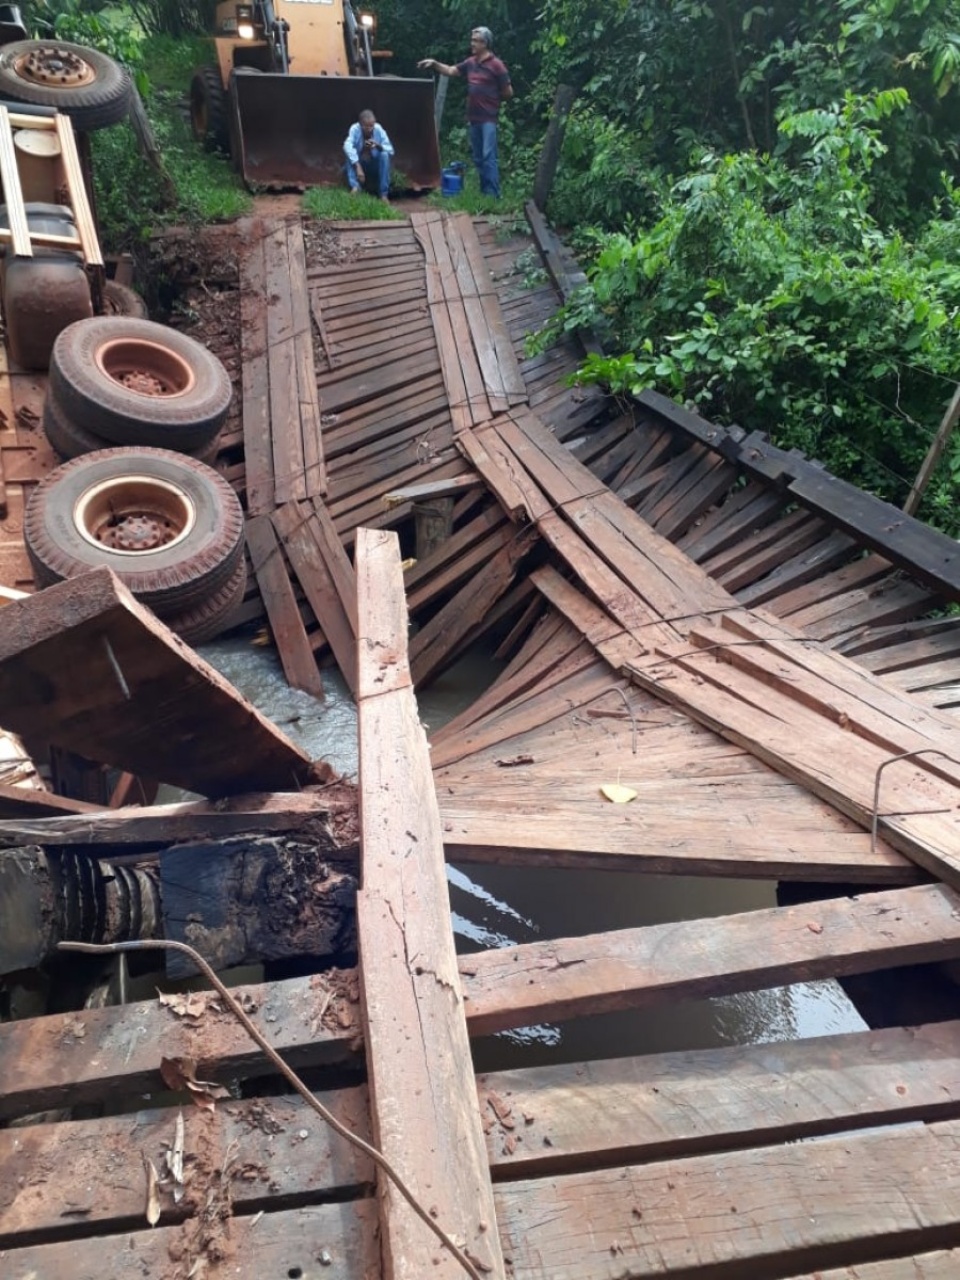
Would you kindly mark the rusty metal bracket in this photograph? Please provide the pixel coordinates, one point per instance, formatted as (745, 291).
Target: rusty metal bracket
(906, 755)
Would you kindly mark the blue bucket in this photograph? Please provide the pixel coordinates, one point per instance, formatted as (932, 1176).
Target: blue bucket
(451, 180)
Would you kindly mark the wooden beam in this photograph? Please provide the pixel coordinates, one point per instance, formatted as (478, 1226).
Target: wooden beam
(277, 1244)
(635, 968)
(582, 1115)
(759, 1213)
(426, 1119)
(84, 666)
(190, 820)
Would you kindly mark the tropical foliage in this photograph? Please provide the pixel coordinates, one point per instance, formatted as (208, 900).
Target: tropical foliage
(762, 192)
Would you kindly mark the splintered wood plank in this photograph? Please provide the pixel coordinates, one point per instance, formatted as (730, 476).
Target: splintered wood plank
(255, 384)
(434, 645)
(283, 613)
(84, 666)
(426, 1119)
(693, 959)
(628, 1110)
(765, 1213)
(276, 1244)
(308, 556)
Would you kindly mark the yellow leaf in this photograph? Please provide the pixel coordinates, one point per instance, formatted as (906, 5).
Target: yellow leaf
(617, 794)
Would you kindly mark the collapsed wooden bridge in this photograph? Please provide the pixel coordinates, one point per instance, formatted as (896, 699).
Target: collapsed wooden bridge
(757, 651)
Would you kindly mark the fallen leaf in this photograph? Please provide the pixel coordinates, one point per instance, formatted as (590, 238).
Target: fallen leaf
(188, 1004)
(153, 1192)
(180, 1074)
(175, 1159)
(617, 794)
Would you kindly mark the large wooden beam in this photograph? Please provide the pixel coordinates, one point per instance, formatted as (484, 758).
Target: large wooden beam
(84, 666)
(693, 959)
(166, 824)
(426, 1120)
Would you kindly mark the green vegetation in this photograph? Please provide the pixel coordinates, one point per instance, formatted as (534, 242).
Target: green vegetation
(338, 205)
(763, 194)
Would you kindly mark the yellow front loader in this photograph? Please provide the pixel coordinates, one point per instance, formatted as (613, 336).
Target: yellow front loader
(290, 79)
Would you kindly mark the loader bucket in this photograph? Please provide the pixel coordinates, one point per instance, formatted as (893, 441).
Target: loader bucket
(289, 130)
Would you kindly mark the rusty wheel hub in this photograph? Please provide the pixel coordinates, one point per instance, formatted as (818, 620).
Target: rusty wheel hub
(134, 515)
(59, 68)
(145, 383)
(136, 532)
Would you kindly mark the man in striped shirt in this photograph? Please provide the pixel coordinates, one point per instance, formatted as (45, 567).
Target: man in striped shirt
(488, 84)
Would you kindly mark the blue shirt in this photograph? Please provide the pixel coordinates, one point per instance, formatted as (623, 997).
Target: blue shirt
(354, 142)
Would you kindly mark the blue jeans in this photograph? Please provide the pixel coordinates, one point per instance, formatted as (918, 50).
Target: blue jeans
(483, 144)
(376, 169)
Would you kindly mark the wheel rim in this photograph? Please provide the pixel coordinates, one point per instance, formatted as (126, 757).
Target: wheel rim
(134, 515)
(55, 68)
(145, 368)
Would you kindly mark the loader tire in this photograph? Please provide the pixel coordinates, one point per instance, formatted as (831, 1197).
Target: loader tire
(120, 300)
(208, 619)
(208, 110)
(133, 381)
(71, 441)
(168, 526)
(81, 83)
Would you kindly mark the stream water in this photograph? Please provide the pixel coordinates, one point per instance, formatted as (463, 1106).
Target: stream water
(497, 906)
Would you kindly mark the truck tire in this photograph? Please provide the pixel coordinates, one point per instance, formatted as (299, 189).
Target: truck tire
(208, 110)
(126, 380)
(71, 441)
(120, 300)
(81, 83)
(206, 620)
(169, 527)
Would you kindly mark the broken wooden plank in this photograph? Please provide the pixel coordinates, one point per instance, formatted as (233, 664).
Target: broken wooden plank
(426, 1119)
(294, 523)
(283, 612)
(84, 666)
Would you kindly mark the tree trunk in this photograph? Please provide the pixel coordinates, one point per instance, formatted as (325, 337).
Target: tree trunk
(550, 154)
(147, 142)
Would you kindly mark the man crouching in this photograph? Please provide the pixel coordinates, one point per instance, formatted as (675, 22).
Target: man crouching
(368, 151)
